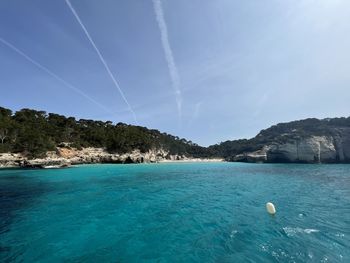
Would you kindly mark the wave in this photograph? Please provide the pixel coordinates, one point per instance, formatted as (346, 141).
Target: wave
(292, 231)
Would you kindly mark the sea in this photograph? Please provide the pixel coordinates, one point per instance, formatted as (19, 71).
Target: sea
(176, 212)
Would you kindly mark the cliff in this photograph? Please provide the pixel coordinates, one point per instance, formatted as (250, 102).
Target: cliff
(33, 138)
(313, 149)
(306, 141)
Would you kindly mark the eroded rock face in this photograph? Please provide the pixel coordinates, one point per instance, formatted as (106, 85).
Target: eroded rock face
(45, 163)
(10, 159)
(309, 150)
(64, 157)
(342, 144)
(256, 157)
(313, 149)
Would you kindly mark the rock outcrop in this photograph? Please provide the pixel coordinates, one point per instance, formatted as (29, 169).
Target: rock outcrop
(66, 156)
(342, 144)
(312, 149)
(256, 156)
(11, 159)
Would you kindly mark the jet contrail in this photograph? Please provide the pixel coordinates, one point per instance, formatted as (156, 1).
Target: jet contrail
(70, 86)
(174, 75)
(115, 82)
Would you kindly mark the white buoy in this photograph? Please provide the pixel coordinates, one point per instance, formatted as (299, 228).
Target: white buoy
(270, 208)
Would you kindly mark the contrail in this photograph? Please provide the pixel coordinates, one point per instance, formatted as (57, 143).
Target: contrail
(115, 82)
(174, 75)
(70, 86)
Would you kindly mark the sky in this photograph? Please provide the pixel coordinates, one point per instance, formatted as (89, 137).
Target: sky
(208, 71)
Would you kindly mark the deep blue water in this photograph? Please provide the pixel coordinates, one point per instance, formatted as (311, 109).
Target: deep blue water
(189, 212)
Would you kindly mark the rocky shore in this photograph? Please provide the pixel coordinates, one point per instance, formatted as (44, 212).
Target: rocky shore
(65, 157)
(311, 149)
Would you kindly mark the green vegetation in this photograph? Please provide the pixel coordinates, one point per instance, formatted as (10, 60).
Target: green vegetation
(36, 132)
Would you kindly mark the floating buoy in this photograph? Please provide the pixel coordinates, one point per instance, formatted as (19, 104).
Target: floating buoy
(270, 208)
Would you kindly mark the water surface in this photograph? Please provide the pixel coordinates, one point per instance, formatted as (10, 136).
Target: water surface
(184, 212)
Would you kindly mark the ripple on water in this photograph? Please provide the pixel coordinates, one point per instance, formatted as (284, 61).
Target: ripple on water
(292, 231)
(176, 212)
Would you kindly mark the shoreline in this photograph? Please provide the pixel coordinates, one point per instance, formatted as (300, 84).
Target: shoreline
(106, 163)
(194, 160)
(65, 157)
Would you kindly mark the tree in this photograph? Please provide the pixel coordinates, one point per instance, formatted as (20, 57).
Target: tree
(5, 123)
(3, 135)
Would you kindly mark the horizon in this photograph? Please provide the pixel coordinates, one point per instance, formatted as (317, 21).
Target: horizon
(210, 76)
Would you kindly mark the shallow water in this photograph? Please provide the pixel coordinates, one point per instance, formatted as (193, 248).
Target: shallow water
(188, 212)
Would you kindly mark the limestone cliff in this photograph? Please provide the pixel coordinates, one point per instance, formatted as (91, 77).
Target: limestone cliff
(333, 148)
(311, 149)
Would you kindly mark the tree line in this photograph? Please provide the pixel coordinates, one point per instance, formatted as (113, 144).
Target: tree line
(33, 133)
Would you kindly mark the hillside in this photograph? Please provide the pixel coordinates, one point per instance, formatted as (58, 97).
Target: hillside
(34, 133)
(309, 140)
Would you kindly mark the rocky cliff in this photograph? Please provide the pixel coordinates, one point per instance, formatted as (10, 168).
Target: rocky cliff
(304, 141)
(333, 148)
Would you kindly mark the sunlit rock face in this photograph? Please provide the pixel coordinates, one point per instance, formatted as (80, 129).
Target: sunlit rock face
(259, 156)
(64, 157)
(311, 149)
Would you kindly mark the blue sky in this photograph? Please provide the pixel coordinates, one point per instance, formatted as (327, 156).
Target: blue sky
(204, 70)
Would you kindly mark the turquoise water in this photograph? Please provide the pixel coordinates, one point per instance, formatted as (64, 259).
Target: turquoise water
(189, 212)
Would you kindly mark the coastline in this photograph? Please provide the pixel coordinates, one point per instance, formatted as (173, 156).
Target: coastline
(194, 160)
(65, 157)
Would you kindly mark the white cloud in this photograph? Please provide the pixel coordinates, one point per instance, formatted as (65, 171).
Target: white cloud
(174, 75)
